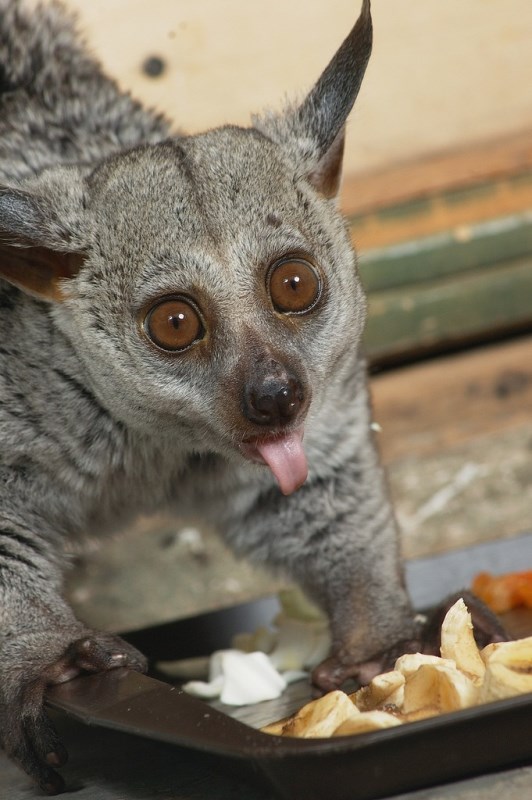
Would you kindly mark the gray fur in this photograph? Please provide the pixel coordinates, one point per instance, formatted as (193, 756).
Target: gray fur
(97, 426)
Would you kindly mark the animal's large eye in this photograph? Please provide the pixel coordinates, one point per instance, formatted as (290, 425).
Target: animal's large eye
(174, 324)
(294, 286)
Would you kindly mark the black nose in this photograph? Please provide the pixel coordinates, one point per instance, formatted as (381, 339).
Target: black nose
(273, 400)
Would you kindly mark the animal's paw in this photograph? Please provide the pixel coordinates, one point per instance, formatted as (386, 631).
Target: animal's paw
(98, 652)
(336, 670)
(26, 732)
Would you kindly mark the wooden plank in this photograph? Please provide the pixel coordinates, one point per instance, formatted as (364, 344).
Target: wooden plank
(452, 210)
(465, 248)
(485, 161)
(414, 319)
(431, 406)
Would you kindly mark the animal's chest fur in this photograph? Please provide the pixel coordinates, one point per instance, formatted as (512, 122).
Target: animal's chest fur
(153, 477)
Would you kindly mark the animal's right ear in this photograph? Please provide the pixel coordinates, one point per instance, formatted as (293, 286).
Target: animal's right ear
(313, 131)
(40, 245)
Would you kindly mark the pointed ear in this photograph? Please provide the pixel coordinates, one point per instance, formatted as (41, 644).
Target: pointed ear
(327, 174)
(313, 132)
(39, 247)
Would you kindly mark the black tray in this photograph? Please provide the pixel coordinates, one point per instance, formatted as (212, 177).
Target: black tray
(366, 766)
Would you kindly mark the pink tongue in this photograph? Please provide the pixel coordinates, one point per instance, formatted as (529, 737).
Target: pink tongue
(286, 459)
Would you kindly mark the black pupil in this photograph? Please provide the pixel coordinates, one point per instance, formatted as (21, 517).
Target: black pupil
(176, 319)
(293, 282)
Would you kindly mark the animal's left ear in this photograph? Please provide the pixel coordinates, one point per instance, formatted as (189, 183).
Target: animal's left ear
(40, 244)
(313, 132)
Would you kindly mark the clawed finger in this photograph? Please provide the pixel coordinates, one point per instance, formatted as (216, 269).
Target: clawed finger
(102, 652)
(47, 743)
(33, 741)
(27, 747)
(331, 674)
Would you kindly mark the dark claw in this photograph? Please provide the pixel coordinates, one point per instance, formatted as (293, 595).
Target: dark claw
(57, 757)
(52, 784)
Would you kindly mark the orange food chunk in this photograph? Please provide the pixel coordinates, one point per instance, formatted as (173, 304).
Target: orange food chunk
(504, 592)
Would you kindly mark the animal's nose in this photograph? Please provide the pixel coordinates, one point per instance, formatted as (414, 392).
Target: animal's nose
(273, 400)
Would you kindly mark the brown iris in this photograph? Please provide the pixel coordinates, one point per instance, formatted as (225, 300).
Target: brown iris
(294, 286)
(174, 324)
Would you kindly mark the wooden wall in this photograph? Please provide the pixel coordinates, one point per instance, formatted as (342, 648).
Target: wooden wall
(443, 73)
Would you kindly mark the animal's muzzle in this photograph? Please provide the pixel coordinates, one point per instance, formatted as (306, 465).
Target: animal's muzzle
(274, 400)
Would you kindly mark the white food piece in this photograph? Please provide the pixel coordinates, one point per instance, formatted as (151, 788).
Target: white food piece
(297, 640)
(293, 675)
(239, 679)
(206, 690)
(249, 678)
(300, 644)
(296, 605)
(186, 668)
(262, 639)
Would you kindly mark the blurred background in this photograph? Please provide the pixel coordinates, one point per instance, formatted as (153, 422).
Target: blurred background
(438, 195)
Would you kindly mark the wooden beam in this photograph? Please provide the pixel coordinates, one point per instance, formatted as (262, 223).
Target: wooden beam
(431, 406)
(415, 320)
(454, 211)
(471, 247)
(485, 161)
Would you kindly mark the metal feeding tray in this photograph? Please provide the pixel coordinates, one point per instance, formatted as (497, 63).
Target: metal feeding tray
(368, 766)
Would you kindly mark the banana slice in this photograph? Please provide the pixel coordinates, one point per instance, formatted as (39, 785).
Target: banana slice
(367, 721)
(438, 686)
(321, 717)
(420, 713)
(276, 728)
(411, 662)
(508, 669)
(458, 643)
(422, 686)
(516, 654)
(385, 689)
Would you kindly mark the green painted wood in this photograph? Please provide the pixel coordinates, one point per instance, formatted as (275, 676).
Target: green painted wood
(453, 308)
(472, 247)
